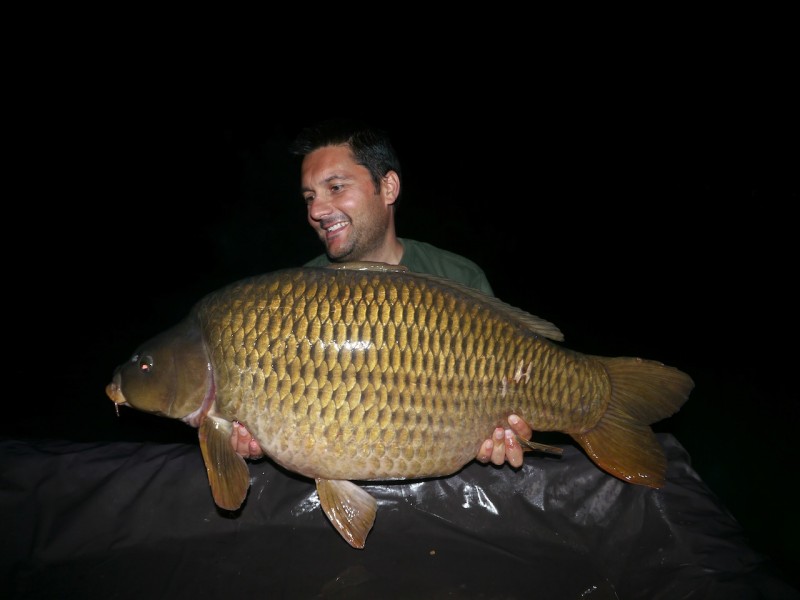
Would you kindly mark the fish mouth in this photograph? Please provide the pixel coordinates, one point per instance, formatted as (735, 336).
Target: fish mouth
(114, 391)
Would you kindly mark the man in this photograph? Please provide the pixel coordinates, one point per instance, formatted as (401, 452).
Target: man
(350, 181)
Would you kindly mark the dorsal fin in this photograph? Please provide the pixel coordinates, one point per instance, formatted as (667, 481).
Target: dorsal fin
(525, 319)
(366, 265)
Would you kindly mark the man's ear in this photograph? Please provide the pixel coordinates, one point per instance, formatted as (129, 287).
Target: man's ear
(391, 187)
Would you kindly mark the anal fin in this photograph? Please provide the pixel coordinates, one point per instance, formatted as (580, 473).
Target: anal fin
(530, 445)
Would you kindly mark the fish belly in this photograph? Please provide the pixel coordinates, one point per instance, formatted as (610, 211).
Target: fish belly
(375, 376)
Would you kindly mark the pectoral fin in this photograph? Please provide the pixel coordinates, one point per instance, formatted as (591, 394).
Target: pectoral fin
(351, 509)
(228, 474)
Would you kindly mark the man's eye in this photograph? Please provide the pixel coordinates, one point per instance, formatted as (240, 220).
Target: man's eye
(336, 188)
(308, 199)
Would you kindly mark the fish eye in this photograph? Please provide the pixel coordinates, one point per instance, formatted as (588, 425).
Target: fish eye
(145, 364)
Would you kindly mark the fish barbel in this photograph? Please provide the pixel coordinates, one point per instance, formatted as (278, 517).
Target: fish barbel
(368, 372)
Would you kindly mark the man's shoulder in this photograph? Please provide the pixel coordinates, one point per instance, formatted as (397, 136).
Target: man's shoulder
(318, 261)
(423, 257)
(414, 249)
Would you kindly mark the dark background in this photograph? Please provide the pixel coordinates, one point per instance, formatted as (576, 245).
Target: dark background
(647, 211)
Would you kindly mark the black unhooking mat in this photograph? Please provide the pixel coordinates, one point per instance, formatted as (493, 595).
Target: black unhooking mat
(128, 520)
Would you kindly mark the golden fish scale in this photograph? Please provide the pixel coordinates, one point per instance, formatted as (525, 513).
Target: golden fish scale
(365, 375)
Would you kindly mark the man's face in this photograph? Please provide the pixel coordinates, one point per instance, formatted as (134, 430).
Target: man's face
(350, 216)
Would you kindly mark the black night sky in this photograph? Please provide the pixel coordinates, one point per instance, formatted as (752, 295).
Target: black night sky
(654, 218)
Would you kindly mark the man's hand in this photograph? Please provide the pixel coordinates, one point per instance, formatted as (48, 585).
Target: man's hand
(502, 447)
(244, 444)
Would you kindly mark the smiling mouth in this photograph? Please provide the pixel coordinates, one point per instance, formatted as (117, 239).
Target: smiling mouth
(336, 227)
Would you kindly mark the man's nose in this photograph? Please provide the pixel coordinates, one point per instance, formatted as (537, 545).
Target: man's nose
(318, 208)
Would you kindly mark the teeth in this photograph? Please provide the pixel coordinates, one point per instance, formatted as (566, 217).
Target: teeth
(336, 227)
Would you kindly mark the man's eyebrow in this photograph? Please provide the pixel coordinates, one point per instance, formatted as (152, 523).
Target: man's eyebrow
(335, 176)
(327, 180)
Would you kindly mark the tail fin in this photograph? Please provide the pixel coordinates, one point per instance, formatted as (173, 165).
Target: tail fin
(622, 443)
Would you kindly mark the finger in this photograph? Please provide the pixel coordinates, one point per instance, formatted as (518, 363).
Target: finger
(513, 451)
(242, 440)
(236, 440)
(498, 447)
(485, 451)
(254, 450)
(520, 427)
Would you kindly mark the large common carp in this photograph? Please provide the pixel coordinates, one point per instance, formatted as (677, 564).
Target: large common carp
(366, 372)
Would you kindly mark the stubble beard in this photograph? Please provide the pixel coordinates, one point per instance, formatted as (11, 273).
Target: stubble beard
(364, 239)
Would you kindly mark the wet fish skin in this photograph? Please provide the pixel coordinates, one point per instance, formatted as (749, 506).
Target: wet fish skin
(368, 372)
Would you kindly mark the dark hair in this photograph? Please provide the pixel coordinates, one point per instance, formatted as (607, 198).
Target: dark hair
(370, 146)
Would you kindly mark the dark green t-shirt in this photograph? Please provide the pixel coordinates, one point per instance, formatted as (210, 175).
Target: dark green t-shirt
(422, 257)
